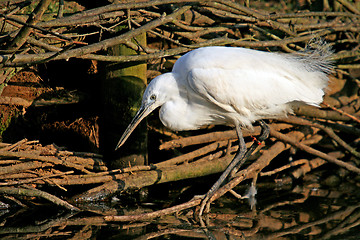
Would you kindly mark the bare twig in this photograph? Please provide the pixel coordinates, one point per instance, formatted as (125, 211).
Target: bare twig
(342, 112)
(21, 37)
(145, 216)
(37, 193)
(103, 44)
(45, 159)
(313, 151)
(328, 130)
(29, 180)
(252, 170)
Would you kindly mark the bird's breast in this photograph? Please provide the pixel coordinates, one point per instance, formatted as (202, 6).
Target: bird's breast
(174, 116)
(181, 116)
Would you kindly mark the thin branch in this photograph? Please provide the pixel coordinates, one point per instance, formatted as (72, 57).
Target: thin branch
(342, 112)
(287, 166)
(216, 136)
(349, 6)
(98, 46)
(189, 156)
(37, 193)
(327, 130)
(256, 167)
(28, 25)
(313, 151)
(45, 159)
(29, 180)
(146, 216)
(22, 35)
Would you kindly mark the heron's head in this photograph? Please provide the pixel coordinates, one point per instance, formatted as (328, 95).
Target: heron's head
(156, 94)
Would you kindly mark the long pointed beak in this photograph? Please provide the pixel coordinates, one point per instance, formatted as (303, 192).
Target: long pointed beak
(140, 115)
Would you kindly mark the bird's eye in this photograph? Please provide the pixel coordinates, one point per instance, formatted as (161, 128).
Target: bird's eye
(153, 97)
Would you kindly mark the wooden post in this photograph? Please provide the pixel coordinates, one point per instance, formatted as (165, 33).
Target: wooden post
(123, 87)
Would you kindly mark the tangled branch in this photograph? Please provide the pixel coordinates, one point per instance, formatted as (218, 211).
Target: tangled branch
(190, 24)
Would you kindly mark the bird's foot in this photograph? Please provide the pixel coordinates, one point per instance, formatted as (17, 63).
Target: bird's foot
(255, 140)
(205, 204)
(250, 195)
(203, 208)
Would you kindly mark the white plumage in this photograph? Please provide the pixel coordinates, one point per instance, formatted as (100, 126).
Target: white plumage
(234, 86)
(227, 85)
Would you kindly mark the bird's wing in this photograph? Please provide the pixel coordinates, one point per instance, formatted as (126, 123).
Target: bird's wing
(245, 90)
(204, 83)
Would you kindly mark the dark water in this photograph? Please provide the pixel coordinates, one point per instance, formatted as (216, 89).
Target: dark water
(287, 212)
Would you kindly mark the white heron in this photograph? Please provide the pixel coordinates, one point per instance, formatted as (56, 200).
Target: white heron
(233, 86)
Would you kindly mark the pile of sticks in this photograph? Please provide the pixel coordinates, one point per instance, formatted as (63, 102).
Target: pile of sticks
(174, 27)
(179, 25)
(265, 223)
(27, 166)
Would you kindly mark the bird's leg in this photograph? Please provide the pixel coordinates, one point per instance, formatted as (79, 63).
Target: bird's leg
(239, 156)
(236, 163)
(265, 130)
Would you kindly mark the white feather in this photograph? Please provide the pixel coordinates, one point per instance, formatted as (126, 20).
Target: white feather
(225, 85)
(228, 85)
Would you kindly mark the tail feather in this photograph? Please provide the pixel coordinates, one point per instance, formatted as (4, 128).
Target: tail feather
(317, 56)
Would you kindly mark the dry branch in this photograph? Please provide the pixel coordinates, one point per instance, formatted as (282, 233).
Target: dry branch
(257, 166)
(35, 17)
(29, 180)
(23, 167)
(45, 159)
(315, 152)
(194, 24)
(329, 131)
(234, 16)
(96, 46)
(37, 193)
(215, 136)
(145, 216)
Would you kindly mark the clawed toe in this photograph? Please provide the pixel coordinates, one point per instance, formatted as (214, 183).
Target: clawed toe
(205, 205)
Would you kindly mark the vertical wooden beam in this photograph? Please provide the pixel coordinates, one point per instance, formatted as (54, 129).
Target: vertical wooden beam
(122, 93)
